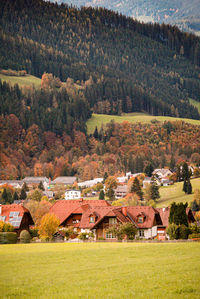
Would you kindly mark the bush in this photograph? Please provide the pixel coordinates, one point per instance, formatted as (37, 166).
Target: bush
(172, 231)
(34, 232)
(6, 227)
(8, 238)
(194, 236)
(86, 236)
(25, 236)
(183, 232)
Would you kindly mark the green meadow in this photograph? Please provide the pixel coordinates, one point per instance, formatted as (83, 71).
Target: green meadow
(27, 80)
(102, 119)
(175, 193)
(100, 270)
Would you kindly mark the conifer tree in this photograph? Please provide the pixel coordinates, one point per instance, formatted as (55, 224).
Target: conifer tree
(137, 188)
(23, 194)
(15, 196)
(41, 186)
(101, 195)
(154, 189)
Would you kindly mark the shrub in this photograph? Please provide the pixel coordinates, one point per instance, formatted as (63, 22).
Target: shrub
(6, 227)
(172, 231)
(86, 236)
(194, 236)
(34, 232)
(8, 238)
(183, 232)
(25, 236)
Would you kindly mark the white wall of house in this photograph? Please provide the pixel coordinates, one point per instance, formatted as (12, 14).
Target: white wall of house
(148, 233)
(72, 194)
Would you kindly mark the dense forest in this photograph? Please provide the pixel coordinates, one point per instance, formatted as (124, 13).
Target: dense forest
(93, 60)
(115, 149)
(131, 66)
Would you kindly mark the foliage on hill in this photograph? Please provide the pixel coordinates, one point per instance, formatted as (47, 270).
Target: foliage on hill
(115, 149)
(132, 66)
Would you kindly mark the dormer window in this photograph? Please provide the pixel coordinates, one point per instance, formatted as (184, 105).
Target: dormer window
(112, 220)
(140, 219)
(92, 219)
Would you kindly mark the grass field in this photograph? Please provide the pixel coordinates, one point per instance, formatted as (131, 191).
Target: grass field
(175, 193)
(99, 119)
(100, 270)
(27, 80)
(196, 104)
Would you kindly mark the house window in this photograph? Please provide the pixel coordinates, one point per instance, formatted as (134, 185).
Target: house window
(92, 220)
(140, 219)
(141, 233)
(110, 236)
(112, 220)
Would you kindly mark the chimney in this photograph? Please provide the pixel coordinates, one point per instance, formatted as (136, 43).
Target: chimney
(0, 209)
(124, 211)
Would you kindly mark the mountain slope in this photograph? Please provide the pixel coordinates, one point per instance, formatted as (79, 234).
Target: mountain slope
(124, 66)
(185, 14)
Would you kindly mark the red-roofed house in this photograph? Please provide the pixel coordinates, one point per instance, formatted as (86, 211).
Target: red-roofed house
(16, 215)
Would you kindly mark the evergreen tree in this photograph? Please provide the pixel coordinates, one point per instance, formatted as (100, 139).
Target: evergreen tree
(137, 188)
(15, 196)
(154, 189)
(101, 195)
(23, 194)
(4, 197)
(185, 172)
(172, 162)
(185, 186)
(189, 187)
(105, 177)
(178, 214)
(149, 170)
(178, 173)
(25, 187)
(41, 186)
(96, 134)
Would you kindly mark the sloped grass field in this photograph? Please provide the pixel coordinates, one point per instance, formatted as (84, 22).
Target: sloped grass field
(175, 193)
(100, 270)
(27, 80)
(99, 119)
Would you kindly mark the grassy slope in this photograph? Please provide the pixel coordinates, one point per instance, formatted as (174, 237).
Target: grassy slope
(27, 80)
(196, 104)
(99, 119)
(100, 270)
(175, 193)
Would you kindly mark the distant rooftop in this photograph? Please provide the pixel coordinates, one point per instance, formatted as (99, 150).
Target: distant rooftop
(35, 180)
(66, 180)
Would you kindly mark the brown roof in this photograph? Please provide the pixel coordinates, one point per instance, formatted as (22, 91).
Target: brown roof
(68, 180)
(148, 212)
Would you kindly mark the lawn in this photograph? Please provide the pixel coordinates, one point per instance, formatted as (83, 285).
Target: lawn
(99, 119)
(100, 270)
(175, 193)
(27, 80)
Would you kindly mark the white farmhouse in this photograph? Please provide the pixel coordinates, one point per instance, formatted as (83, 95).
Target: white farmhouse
(72, 194)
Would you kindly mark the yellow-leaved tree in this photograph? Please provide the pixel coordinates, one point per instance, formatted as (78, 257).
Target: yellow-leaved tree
(48, 226)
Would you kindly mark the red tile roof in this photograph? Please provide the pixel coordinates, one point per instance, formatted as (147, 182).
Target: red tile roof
(7, 209)
(64, 208)
(146, 211)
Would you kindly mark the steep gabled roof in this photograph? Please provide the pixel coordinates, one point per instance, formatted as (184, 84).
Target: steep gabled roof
(148, 212)
(64, 208)
(14, 214)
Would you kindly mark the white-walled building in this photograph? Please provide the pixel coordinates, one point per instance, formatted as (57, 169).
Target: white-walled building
(72, 194)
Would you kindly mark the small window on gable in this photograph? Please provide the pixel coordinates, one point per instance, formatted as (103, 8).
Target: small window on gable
(112, 220)
(92, 219)
(140, 219)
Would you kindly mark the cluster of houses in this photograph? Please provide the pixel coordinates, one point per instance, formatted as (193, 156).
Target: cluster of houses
(97, 216)
(161, 175)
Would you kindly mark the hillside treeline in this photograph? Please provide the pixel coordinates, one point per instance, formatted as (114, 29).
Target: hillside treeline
(50, 109)
(115, 149)
(133, 66)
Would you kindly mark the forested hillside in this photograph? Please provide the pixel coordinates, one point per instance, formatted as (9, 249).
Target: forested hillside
(130, 66)
(182, 12)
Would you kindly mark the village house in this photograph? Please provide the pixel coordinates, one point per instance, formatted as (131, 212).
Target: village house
(121, 191)
(162, 173)
(33, 182)
(148, 180)
(64, 181)
(72, 194)
(90, 183)
(13, 183)
(16, 215)
(97, 216)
